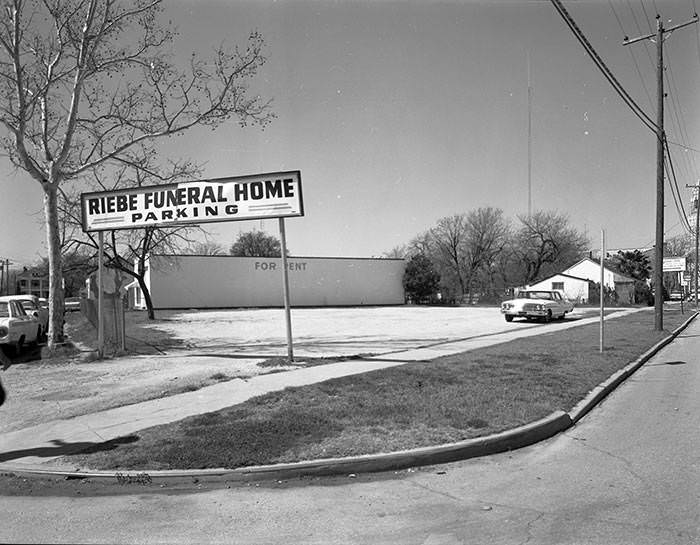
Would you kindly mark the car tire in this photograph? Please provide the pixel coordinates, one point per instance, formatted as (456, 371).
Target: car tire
(19, 345)
(509, 318)
(548, 317)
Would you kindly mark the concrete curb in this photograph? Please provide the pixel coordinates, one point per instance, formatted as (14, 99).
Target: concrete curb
(598, 393)
(519, 437)
(480, 446)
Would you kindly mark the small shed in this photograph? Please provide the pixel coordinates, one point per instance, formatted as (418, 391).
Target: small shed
(574, 288)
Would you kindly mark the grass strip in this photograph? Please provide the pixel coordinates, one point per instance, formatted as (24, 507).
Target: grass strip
(449, 399)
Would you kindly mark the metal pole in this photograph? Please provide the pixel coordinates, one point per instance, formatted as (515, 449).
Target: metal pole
(659, 261)
(602, 290)
(285, 285)
(100, 319)
(697, 234)
(529, 138)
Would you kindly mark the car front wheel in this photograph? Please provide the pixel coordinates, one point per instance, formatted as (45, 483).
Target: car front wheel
(509, 318)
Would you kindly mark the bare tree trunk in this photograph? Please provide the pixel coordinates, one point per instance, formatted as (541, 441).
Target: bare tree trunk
(146, 296)
(55, 334)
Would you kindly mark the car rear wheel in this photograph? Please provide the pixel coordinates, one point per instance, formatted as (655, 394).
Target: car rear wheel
(509, 318)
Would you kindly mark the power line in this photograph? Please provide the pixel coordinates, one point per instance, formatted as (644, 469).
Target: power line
(634, 58)
(636, 109)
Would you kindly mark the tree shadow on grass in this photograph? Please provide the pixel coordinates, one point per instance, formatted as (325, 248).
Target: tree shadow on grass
(61, 448)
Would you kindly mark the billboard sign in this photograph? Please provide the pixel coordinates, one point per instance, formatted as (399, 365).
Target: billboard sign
(259, 196)
(674, 264)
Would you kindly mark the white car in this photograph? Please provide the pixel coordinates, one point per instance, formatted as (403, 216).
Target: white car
(32, 305)
(17, 328)
(544, 305)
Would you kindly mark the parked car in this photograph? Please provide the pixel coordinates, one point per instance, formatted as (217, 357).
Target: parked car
(537, 304)
(17, 328)
(32, 305)
(71, 304)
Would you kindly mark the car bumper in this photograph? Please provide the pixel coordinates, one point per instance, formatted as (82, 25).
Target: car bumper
(525, 313)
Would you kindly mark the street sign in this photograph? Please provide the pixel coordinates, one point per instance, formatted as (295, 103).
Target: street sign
(674, 264)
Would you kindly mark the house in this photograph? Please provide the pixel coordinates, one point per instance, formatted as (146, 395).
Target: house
(590, 270)
(574, 288)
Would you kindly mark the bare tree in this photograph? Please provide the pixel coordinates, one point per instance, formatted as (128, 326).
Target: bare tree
(128, 251)
(83, 82)
(206, 247)
(487, 234)
(449, 248)
(397, 252)
(256, 244)
(547, 242)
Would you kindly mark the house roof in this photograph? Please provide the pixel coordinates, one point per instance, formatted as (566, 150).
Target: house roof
(561, 274)
(617, 277)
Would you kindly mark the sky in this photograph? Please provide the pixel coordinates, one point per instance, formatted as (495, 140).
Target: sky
(401, 112)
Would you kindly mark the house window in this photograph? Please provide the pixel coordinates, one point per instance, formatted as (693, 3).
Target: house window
(558, 286)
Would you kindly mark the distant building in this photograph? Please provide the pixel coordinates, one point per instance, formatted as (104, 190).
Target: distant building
(31, 283)
(190, 281)
(574, 288)
(590, 270)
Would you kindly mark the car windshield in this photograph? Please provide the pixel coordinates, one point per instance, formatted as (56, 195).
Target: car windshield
(28, 305)
(4, 310)
(535, 295)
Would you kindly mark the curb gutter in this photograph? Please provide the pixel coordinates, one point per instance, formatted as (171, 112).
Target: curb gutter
(515, 438)
(598, 393)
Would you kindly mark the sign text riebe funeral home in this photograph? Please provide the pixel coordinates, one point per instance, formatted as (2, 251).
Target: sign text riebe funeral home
(260, 196)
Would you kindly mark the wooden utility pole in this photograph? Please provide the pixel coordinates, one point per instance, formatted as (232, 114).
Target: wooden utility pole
(696, 202)
(658, 38)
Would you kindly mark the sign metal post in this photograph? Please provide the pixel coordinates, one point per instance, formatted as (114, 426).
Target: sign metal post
(602, 290)
(285, 285)
(100, 297)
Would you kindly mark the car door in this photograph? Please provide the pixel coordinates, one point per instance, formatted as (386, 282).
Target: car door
(25, 323)
(559, 302)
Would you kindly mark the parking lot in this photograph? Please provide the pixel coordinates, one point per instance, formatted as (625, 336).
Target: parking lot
(329, 332)
(230, 344)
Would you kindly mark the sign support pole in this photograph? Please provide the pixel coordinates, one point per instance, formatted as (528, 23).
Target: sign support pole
(285, 285)
(602, 290)
(100, 320)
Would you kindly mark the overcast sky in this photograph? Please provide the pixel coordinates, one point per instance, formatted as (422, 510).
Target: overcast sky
(398, 113)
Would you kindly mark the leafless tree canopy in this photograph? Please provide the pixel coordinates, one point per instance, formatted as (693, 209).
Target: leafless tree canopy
(87, 83)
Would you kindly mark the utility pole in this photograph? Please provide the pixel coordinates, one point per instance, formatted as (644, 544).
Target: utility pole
(658, 38)
(696, 202)
(529, 138)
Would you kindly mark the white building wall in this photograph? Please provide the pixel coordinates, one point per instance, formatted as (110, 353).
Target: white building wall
(227, 281)
(591, 271)
(574, 289)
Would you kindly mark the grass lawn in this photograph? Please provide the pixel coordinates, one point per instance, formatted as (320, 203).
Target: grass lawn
(419, 404)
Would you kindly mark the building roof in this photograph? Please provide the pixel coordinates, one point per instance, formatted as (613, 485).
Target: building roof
(561, 274)
(617, 277)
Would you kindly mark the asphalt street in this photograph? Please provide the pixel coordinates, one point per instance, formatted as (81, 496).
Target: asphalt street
(629, 472)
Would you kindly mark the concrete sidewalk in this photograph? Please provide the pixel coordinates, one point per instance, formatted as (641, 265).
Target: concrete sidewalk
(33, 446)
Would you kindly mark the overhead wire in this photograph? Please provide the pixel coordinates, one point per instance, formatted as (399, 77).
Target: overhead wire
(675, 190)
(634, 58)
(636, 109)
(688, 162)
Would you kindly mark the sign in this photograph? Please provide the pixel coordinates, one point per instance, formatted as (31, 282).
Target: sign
(260, 196)
(674, 264)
